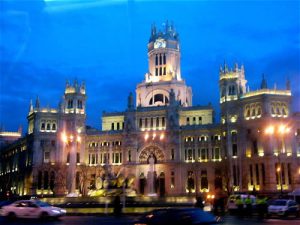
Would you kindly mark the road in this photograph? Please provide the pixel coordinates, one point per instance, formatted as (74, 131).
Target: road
(128, 220)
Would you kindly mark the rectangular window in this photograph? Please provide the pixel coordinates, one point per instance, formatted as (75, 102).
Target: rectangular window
(118, 126)
(263, 174)
(233, 136)
(255, 147)
(283, 173)
(156, 71)
(78, 157)
(200, 120)
(203, 154)
(251, 174)
(217, 154)
(234, 150)
(129, 156)
(163, 121)
(289, 174)
(165, 72)
(187, 121)
(172, 154)
(172, 179)
(277, 169)
(141, 123)
(112, 126)
(46, 156)
(257, 174)
(235, 180)
(151, 122)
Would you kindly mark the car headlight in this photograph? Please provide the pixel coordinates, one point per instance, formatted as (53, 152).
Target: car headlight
(63, 211)
(55, 211)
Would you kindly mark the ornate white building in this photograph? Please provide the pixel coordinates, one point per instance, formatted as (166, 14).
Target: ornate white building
(256, 145)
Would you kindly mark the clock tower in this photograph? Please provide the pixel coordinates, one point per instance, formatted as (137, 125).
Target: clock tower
(164, 70)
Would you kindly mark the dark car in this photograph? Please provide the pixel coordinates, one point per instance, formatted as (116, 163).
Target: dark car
(178, 216)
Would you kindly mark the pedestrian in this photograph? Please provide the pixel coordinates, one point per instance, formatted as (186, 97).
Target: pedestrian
(240, 205)
(117, 206)
(199, 202)
(248, 203)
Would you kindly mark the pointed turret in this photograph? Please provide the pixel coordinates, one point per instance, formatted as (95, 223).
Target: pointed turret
(288, 84)
(263, 84)
(130, 104)
(30, 106)
(37, 102)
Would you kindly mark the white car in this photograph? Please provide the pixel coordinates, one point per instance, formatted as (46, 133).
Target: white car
(283, 207)
(31, 209)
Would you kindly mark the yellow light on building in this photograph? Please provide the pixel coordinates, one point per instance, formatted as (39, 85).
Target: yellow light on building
(146, 136)
(162, 136)
(269, 130)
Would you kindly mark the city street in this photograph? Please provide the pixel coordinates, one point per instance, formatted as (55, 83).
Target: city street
(128, 220)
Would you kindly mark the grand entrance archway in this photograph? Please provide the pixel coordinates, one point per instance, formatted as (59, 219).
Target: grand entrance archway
(151, 150)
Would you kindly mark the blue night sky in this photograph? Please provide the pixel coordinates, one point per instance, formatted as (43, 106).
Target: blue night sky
(104, 43)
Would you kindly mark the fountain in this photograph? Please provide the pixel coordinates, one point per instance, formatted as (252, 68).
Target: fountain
(151, 177)
(111, 184)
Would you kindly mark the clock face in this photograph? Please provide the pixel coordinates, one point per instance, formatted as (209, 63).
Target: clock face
(160, 43)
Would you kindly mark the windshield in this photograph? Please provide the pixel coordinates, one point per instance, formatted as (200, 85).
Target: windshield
(43, 204)
(279, 202)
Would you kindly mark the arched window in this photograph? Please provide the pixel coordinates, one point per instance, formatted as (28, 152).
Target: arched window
(247, 112)
(156, 60)
(43, 126)
(79, 104)
(278, 109)
(160, 71)
(40, 177)
(204, 181)
(223, 92)
(70, 104)
(253, 111)
(158, 98)
(48, 126)
(190, 181)
(46, 180)
(54, 126)
(164, 59)
(52, 180)
(160, 59)
(258, 111)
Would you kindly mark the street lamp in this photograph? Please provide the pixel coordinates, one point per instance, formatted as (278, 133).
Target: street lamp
(71, 140)
(279, 132)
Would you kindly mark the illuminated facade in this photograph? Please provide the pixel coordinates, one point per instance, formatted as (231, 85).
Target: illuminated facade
(256, 145)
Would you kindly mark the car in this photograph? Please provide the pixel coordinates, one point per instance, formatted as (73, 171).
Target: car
(31, 209)
(178, 216)
(283, 207)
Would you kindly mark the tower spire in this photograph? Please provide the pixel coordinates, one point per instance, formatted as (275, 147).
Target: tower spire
(30, 106)
(37, 102)
(288, 84)
(263, 84)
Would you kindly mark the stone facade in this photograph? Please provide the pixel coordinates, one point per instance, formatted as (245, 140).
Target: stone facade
(255, 147)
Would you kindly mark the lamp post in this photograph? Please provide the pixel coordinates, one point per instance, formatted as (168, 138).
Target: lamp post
(71, 140)
(279, 132)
